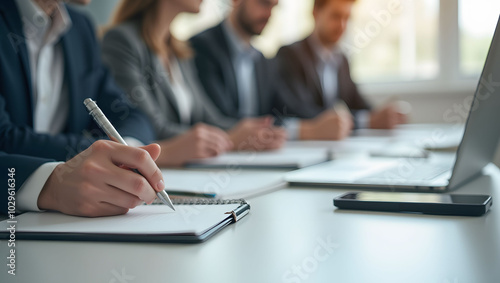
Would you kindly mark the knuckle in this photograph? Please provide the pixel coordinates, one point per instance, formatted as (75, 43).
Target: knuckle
(85, 188)
(90, 168)
(139, 186)
(100, 145)
(132, 202)
(142, 155)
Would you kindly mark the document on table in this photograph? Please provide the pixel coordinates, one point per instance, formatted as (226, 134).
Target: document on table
(286, 158)
(228, 184)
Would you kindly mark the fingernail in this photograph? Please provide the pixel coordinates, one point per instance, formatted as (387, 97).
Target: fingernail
(161, 185)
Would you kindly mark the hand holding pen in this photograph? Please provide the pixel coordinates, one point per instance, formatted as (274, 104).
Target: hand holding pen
(108, 128)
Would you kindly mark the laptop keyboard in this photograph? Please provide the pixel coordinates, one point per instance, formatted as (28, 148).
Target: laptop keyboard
(420, 173)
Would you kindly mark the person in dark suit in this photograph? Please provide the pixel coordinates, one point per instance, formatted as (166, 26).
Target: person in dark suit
(243, 83)
(317, 72)
(49, 63)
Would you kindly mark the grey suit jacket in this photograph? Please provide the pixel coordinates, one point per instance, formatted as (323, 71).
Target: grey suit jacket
(140, 72)
(297, 66)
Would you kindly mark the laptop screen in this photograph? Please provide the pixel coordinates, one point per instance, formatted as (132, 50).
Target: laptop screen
(482, 131)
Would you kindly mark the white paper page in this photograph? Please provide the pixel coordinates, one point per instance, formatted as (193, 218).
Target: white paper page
(225, 184)
(151, 219)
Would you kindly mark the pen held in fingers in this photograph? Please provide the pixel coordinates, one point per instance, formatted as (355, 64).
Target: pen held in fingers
(103, 122)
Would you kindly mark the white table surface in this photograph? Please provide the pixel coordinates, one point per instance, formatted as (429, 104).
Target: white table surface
(285, 239)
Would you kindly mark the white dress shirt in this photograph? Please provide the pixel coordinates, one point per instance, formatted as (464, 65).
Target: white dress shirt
(183, 96)
(50, 93)
(244, 56)
(328, 68)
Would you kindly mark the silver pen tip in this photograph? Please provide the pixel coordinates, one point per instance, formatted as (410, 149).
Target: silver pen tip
(163, 196)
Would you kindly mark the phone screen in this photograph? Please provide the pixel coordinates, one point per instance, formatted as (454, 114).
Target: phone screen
(417, 198)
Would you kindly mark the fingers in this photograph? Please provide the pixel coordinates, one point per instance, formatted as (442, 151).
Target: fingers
(120, 198)
(137, 158)
(271, 138)
(130, 183)
(107, 209)
(221, 137)
(153, 149)
(268, 121)
(211, 141)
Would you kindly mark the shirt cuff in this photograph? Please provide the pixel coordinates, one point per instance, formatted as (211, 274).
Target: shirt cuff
(362, 119)
(27, 195)
(133, 142)
(292, 128)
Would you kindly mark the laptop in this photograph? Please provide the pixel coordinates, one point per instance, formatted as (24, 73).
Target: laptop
(441, 172)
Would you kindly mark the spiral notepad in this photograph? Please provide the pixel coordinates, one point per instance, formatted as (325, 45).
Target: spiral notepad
(195, 220)
(202, 201)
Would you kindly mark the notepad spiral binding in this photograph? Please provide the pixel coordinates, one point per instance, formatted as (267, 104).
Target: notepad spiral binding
(201, 201)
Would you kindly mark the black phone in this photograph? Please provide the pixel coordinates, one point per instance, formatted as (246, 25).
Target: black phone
(426, 203)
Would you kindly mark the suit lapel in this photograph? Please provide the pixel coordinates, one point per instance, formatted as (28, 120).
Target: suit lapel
(310, 63)
(227, 64)
(263, 84)
(70, 73)
(10, 13)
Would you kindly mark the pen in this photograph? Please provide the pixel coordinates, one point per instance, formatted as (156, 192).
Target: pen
(108, 128)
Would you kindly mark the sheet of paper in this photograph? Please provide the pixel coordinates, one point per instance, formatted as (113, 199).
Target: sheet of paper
(227, 184)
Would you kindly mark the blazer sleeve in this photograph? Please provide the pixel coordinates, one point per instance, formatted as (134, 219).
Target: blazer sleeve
(123, 56)
(23, 167)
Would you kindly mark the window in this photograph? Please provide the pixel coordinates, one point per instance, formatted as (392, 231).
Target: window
(393, 40)
(426, 42)
(477, 21)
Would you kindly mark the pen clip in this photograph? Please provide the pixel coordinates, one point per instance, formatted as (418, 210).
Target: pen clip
(239, 212)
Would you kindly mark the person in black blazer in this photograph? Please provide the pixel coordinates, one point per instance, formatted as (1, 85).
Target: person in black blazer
(58, 45)
(303, 66)
(219, 52)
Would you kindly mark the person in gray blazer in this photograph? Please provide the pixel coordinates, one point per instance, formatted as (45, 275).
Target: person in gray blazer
(317, 73)
(157, 72)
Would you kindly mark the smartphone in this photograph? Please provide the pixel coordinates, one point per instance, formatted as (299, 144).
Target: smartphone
(426, 203)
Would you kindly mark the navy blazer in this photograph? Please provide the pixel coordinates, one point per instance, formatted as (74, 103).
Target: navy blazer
(217, 75)
(85, 75)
